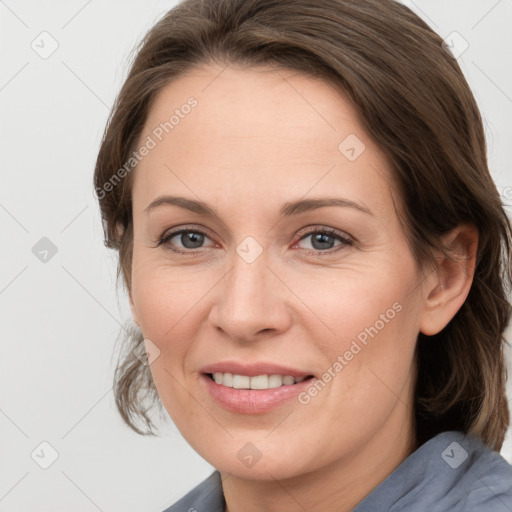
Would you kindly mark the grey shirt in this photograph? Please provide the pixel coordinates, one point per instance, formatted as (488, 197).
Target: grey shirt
(450, 472)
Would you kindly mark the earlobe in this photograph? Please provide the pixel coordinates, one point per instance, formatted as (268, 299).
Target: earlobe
(449, 286)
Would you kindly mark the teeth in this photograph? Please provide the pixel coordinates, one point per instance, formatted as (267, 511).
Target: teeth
(257, 382)
(240, 382)
(275, 381)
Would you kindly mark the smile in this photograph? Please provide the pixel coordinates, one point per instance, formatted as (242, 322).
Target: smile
(256, 394)
(255, 382)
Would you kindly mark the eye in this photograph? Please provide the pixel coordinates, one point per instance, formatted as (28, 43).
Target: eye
(322, 240)
(189, 239)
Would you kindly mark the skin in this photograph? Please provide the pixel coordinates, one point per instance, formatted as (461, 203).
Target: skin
(257, 139)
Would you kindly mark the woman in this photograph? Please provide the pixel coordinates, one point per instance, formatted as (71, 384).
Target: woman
(316, 256)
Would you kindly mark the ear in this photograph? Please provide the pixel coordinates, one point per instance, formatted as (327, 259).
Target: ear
(448, 287)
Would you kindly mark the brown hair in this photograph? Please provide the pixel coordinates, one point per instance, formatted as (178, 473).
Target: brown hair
(416, 104)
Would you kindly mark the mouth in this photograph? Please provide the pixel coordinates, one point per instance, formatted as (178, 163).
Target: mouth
(257, 382)
(253, 395)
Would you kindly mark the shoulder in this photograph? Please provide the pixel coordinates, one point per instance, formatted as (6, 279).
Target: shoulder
(489, 479)
(452, 472)
(205, 496)
(475, 477)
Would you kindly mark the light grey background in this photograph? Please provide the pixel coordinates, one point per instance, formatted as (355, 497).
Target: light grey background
(59, 319)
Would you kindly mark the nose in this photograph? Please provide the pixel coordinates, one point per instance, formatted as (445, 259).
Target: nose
(252, 300)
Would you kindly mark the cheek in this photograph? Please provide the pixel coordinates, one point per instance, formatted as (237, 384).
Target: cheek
(362, 304)
(167, 306)
(376, 367)
(164, 297)
(169, 302)
(369, 347)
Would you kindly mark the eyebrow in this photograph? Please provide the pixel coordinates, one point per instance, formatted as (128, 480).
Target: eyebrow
(288, 209)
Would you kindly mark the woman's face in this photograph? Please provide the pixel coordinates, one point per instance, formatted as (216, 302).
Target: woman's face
(263, 291)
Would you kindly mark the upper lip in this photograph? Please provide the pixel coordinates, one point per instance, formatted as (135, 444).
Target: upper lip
(252, 370)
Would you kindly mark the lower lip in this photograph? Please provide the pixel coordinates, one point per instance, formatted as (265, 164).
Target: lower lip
(252, 401)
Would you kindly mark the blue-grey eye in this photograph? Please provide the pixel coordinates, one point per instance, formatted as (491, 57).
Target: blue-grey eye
(190, 239)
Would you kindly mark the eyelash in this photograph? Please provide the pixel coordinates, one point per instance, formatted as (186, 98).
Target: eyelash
(324, 231)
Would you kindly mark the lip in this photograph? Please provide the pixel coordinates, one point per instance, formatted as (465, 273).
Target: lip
(254, 369)
(252, 401)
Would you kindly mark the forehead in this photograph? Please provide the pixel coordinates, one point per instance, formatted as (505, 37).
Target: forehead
(257, 129)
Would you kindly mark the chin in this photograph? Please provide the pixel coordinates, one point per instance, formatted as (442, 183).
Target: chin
(261, 461)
